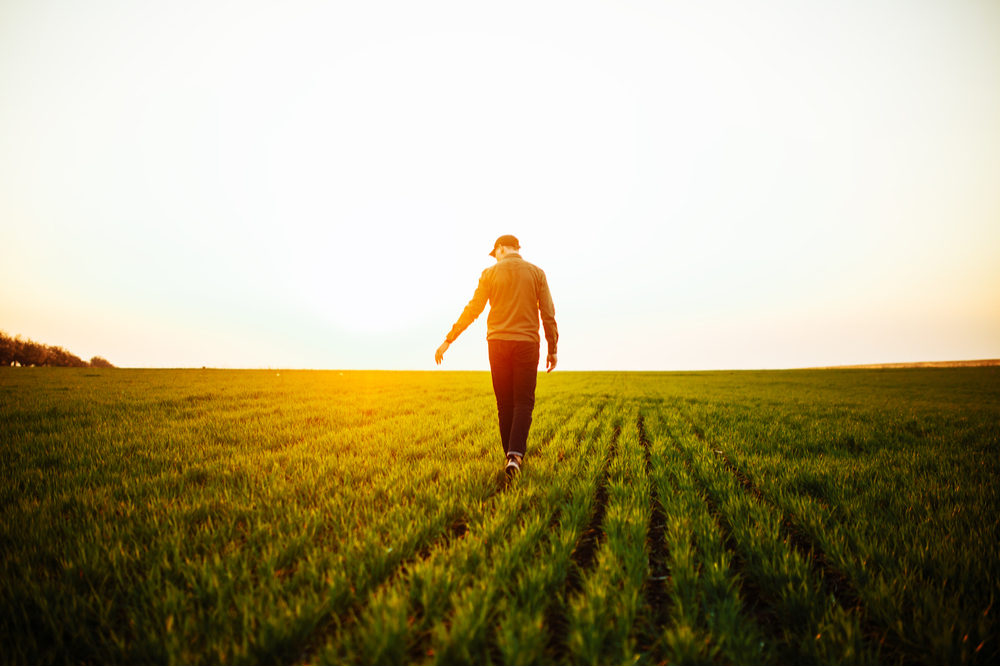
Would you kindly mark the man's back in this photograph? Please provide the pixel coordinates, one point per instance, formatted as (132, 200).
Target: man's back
(517, 292)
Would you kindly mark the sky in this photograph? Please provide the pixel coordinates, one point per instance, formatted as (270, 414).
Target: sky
(708, 185)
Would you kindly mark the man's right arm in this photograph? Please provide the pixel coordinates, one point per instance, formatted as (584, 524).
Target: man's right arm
(473, 310)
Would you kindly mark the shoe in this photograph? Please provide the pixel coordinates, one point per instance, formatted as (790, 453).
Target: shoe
(513, 465)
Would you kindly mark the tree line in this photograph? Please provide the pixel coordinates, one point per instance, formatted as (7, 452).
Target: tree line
(26, 352)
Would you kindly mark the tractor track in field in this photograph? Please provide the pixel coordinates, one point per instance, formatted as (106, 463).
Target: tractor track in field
(835, 582)
(582, 560)
(591, 538)
(656, 588)
(578, 441)
(755, 602)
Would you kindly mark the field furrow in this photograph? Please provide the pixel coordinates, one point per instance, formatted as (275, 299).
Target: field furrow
(578, 535)
(709, 618)
(835, 582)
(813, 626)
(602, 614)
(657, 585)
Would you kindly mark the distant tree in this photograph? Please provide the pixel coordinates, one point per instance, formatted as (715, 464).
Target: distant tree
(8, 349)
(32, 353)
(29, 353)
(101, 362)
(57, 356)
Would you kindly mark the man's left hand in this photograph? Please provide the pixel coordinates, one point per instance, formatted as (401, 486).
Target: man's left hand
(550, 363)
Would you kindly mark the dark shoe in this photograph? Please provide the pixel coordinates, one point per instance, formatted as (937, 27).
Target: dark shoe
(513, 465)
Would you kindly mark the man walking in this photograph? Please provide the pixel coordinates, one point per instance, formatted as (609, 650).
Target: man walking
(517, 292)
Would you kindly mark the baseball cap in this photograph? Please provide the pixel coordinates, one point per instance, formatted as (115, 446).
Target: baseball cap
(507, 240)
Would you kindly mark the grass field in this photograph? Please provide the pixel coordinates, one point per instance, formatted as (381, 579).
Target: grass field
(250, 516)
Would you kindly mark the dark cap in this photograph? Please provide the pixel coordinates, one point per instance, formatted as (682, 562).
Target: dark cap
(507, 240)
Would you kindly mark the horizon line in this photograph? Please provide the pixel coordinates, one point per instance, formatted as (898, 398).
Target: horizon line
(970, 363)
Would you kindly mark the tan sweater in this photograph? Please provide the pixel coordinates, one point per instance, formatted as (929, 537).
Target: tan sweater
(517, 292)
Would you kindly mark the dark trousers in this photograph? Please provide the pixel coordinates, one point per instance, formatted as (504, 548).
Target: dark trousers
(514, 366)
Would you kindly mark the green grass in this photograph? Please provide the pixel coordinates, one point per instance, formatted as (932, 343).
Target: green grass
(204, 516)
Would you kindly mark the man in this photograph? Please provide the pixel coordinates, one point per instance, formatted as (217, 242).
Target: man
(517, 292)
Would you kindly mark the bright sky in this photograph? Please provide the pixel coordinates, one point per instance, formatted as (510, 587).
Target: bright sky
(707, 184)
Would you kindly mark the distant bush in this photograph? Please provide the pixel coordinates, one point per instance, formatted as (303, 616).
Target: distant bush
(27, 352)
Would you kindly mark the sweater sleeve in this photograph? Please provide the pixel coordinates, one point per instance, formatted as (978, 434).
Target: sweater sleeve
(548, 314)
(473, 310)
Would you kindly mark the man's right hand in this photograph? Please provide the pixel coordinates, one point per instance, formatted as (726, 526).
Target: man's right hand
(439, 355)
(550, 363)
